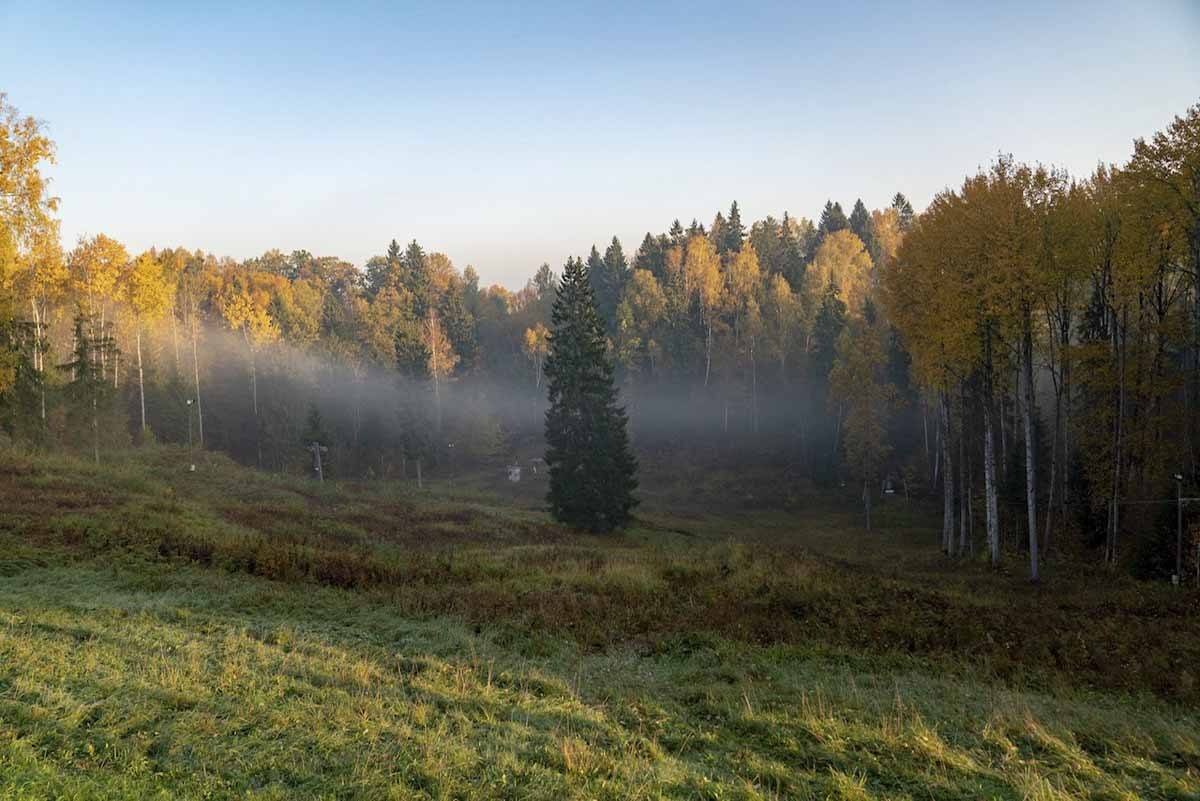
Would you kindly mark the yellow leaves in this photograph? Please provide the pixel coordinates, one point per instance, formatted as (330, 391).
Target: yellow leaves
(535, 341)
(843, 261)
(745, 275)
(442, 358)
(441, 274)
(244, 301)
(781, 316)
(702, 271)
(146, 288)
(888, 235)
(641, 310)
(25, 206)
(96, 265)
(645, 298)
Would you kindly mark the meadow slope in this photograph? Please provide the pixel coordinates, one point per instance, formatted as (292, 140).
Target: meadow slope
(231, 634)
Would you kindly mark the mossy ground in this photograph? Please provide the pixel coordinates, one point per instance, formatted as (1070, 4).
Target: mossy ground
(230, 634)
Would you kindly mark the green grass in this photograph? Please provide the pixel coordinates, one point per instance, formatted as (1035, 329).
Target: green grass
(228, 634)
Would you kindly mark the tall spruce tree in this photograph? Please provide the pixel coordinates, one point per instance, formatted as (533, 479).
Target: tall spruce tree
(592, 469)
(735, 232)
(904, 211)
(864, 229)
(832, 219)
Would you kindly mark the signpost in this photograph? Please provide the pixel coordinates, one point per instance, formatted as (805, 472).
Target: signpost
(316, 449)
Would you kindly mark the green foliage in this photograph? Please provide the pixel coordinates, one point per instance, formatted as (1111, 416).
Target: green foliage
(860, 223)
(592, 471)
(833, 219)
(827, 329)
(94, 420)
(353, 640)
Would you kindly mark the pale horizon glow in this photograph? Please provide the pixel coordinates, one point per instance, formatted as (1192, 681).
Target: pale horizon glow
(506, 138)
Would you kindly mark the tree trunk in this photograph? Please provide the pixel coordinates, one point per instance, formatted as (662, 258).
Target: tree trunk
(141, 378)
(175, 340)
(753, 386)
(95, 428)
(254, 399)
(1118, 341)
(196, 376)
(707, 350)
(964, 488)
(1027, 415)
(38, 359)
(991, 491)
(967, 545)
(925, 426)
(947, 480)
(867, 501)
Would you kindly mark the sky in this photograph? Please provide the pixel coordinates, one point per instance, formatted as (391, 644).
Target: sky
(507, 135)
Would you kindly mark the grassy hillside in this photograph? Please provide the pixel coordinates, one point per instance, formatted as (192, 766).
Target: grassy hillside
(226, 633)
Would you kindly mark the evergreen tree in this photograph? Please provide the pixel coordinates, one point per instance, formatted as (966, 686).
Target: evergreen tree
(676, 232)
(94, 419)
(314, 427)
(592, 469)
(459, 325)
(904, 212)
(615, 274)
(651, 256)
(607, 276)
(716, 233)
(735, 232)
(864, 229)
(830, 320)
(415, 277)
(791, 254)
(832, 219)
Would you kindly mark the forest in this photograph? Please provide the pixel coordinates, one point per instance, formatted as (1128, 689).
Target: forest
(1024, 352)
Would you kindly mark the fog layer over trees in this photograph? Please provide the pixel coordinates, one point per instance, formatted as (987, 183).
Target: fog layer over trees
(1027, 348)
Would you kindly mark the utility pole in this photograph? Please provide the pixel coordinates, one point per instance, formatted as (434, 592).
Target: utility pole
(317, 449)
(1177, 579)
(191, 454)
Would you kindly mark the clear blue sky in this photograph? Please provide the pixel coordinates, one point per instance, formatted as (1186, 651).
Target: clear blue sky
(506, 136)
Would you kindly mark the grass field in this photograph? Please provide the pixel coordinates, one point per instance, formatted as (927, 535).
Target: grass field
(231, 634)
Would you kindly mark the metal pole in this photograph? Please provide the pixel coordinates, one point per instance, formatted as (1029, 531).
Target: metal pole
(1179, 529)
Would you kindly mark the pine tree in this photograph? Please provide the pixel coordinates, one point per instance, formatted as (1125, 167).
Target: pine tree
(735, 232)
(791, 257)
(864, 229)
(832, 219)
(651, 256)
(607, 276)
(828, 326)
(415, 277)
(716, 233)
(904, 212)
(93, 416)
(592, 470)
(676, 232)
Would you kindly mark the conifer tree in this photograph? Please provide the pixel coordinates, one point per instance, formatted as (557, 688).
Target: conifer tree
(93, 418)
(676, 232)
(861, 225)
(904, 211)
(415, 277)
(832, 219)
(735, 232)
(592, 469)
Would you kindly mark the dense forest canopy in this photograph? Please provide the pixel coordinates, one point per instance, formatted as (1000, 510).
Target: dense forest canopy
(1027, 347)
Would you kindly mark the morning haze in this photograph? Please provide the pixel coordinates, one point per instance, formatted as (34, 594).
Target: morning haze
(622, 401)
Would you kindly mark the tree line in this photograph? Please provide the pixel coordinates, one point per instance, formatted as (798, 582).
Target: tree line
(1027, 348)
